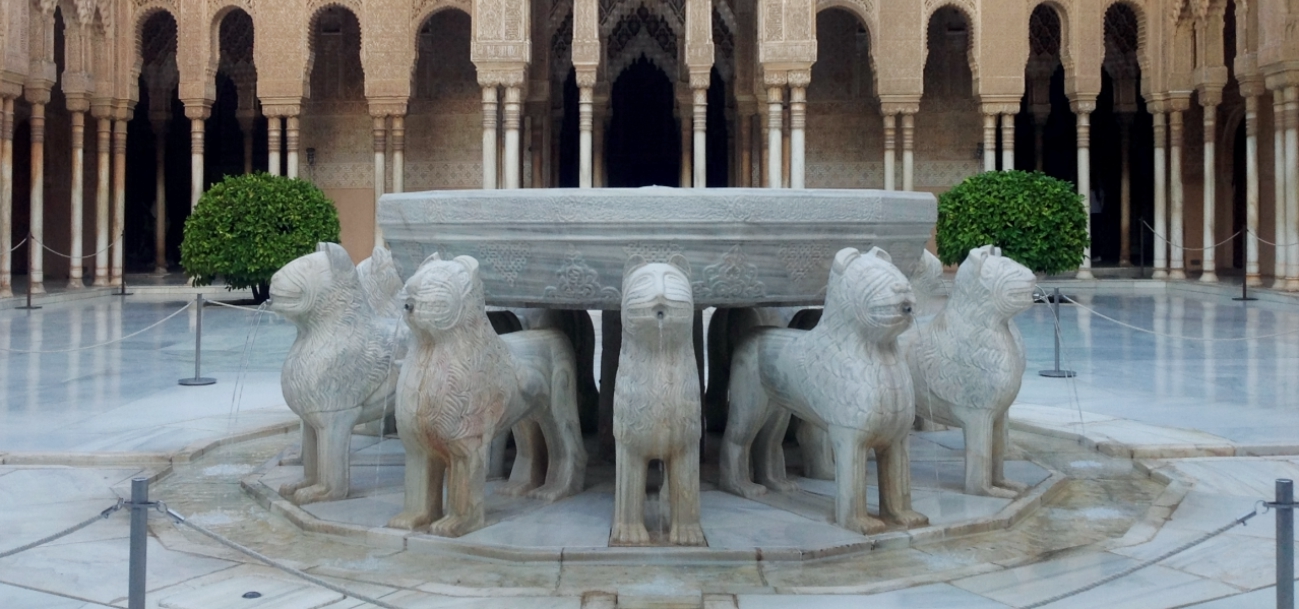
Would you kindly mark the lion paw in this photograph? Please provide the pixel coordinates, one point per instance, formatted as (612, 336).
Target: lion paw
(410, 521)
(687, 535)
(554, 492)
(909, 519)
(781, 485)
(289, 488)
(1011, 485)
(996, 491)
(745, 489)
(865, 525)
(629, 535)
(514, 489)
(451, 526)
(315, 493)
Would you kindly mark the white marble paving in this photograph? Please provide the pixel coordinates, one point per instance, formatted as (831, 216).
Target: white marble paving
(1242, 561)
(13, 597)
(934, 596)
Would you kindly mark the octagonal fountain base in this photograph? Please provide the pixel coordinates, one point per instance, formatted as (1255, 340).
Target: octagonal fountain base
(774, 527)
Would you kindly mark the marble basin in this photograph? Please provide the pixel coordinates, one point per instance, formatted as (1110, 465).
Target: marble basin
(567, 248)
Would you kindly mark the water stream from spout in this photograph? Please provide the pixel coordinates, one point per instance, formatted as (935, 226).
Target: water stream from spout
(250, 339)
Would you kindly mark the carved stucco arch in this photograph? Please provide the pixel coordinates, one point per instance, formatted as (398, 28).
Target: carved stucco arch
(642, 44)
(1143, 47)
(315, 9)
(1063, 11)
(426, 13)
(218, 16)
(136, 59)
(971, 13)
(867, 14)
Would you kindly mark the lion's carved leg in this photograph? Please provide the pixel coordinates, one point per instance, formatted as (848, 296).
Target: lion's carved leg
(333, 457)
(894, 465)
(424, 475)
(529, 471)
(309, 469)
(818, 457)
(1000, 442)
(468, 475)
(683, 486)
(769, 455)
(562, 430)
(850, 481)
(979, 430)
(629, 499)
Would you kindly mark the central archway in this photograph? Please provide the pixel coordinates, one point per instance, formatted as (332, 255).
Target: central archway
(644, 140)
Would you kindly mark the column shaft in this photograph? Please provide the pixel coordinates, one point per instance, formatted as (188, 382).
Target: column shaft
(1251, 191)
(512, 122)
(687, 159)
(890, 152)
(797, 141)
(585, 123)
(36, 225)
(1208, 259)
(1279, 233)
(77, 200)
(398, 136)
(908, 151)
(160, 198)
(1161, 197)
(599, 173)
(291, 143)
(274, 130)
(103, 194)
(1007, 142)
(1125, 192)
(775, 119)
(246, 128)
(489, 137)
(1292, 186)
(380, 133)
(6, 195)
(197, 127)
(989, 142)
(1084, 186)
(785, 149)
(745, 173)
(1177, 265)
(119, 201)
(699, 152)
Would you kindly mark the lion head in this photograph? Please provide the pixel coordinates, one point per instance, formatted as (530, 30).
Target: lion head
(657, 294)
(381, 282)
(868, 292)
(319, 282)
(993, 284)
(443, 295)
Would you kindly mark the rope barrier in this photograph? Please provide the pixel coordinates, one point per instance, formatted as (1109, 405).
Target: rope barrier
(1256, 236)
(276, 564)
(1149, 331)
(63, 255)
(115, 340)
(241, 308)
(65, 532)
(1139, 566)
(1193, 249)
(20, 244)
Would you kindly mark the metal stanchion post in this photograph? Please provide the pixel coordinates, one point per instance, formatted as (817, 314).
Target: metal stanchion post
(1244, 290)
(139, 541)
(1057, 373)
(198, 350)
(1284, 507)
(29, 306)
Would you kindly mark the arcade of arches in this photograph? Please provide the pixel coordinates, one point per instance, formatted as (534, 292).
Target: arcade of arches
(1179, 120)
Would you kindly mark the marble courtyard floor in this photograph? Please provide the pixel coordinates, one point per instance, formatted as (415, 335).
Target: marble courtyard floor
(1158, 440)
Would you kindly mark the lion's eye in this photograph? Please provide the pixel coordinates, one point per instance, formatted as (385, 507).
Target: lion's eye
(409, 307)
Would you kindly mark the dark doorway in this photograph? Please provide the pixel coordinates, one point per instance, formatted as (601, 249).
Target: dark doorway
(644, 140)
(1238, 186)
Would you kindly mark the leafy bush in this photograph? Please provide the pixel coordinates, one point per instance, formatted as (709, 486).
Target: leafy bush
(1036, 220)
(248, 226)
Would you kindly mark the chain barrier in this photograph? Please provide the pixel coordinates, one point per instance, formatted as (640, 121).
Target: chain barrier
(241, 308)
(272, 562)
(1139, 566)
(1260, 238)
(1174, 336)
(115, 340)
(68, 531)
(63, 255)
(20, 244)
(1187, 248)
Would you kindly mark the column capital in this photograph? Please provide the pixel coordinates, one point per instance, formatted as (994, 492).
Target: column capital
(502, 74)
(700, 79)
(774, 78)
(800, 78)
(37, 93)
(197, 109)
(1210, 96)
(998, 108)
(899, 104)
(380, 107)
(1082, 105)
(123, 110)
(280, 107)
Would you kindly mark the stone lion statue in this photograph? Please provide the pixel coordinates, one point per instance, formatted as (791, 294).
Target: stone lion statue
(967, 364)
(845, 376)
(656, 402)
(381, 282)
(461, 386)
(339, 371)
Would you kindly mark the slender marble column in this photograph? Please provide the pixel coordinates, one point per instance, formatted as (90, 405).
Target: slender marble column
(1039, 127)
(585, 124)
(77, 202)
(599, 174)
(746, 151)
(380, 133)
(119, 200)
(908, 151)
(489, 137)
(197, 131)
(1177, 204)
(1209, 236)
(36, 226)
(785, 149)
(398, 135)
(1007, 142)
(1251, 188)
(989, 141)
(687, 174)
(890, 152)
(797, 137)
(6, 195)
(1083, 111)
(1292, 186)
(1279, 232)
(775, 120)
(103, 193)
(512, 121)
(160, 197)
(699, 151)
(274, 131)
(537, 131)
(1125, 190)
(1161, 199)
(292, 141)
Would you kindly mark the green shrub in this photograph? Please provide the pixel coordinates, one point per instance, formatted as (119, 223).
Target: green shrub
(1036, 220)
(248, 226)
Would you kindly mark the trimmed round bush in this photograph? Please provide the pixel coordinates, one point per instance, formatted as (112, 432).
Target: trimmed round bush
(248, 226)
(1036, 220)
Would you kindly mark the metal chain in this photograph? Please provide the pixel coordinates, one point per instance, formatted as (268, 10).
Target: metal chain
(63, 255)
(1193, 249)
(1260, 238)
(1139, 566)
(65, 532)
(20, 244)
(249, 309)
(1149, 331)
(115, 340)
(274, 563)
